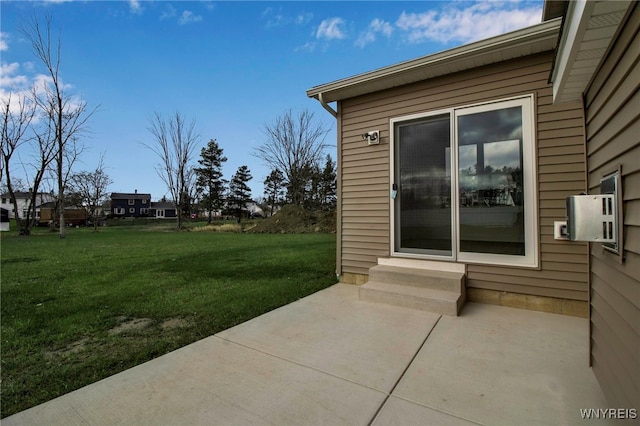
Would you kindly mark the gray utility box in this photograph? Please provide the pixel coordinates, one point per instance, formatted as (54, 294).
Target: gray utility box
(592, 218)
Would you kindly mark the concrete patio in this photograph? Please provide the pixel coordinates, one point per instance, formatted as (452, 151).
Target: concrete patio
(333, 359)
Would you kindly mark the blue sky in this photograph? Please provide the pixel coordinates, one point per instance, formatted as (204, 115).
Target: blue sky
(232, 66)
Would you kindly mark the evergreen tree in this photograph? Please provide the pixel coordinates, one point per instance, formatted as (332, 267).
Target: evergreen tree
(239, 191)
(209, 178)
(273, 188)
(327, 187)
(312, 197)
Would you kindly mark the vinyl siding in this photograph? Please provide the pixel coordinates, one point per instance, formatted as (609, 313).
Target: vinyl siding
(365, 222)
(613, 135)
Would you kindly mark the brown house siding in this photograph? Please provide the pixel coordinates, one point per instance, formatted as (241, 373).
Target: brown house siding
(612, 106)
(365, 223)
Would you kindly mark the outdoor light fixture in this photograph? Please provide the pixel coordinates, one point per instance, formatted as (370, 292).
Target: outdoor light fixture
(372, 137)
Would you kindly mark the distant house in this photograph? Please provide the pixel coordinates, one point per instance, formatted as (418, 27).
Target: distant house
(73, 216)
(23, 199)
(254, 209)
(163, 210)
(130, 204)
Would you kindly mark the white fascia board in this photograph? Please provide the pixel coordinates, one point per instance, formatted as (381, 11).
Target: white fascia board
(463, 57)
(575, 25)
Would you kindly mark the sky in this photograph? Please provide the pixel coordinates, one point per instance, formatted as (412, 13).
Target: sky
(231, 66)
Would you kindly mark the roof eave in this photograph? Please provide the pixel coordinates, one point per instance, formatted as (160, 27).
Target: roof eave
(534, 39)
(579, 53)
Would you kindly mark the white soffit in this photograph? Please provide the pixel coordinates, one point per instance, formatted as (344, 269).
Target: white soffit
(527, 41)
(589, 28)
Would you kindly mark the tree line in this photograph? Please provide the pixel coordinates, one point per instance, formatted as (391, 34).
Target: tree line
(297, 175)
(48, 123)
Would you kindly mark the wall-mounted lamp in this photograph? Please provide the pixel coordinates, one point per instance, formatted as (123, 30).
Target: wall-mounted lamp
(372, 137)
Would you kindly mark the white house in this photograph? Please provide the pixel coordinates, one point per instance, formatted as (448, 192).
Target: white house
(23, 199)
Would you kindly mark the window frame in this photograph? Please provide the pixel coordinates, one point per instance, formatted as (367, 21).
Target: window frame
(531, 258)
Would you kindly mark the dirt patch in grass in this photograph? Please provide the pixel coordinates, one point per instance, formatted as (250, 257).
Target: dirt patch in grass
(296, 220)
(126, 325)
(171, 323)
(73, 348)
(131, 325)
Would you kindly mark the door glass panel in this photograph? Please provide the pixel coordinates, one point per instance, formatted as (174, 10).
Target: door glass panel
(423, 177)
(490, 182)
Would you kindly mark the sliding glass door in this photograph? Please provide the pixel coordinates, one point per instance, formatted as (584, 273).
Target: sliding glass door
(486, 210)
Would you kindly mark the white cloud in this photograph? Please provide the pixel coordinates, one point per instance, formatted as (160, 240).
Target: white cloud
(135, 7)
(381, 26)
(303, 18)
(274, 19)
(377, 26)
(16, 85)
(4, 46)
(7, 79)
(331, 29)
(277, 19)
(476, 22)
(188, 17)
(307, 47)
(170, 12)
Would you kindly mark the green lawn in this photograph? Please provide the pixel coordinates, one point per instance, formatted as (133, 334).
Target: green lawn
(80, 309)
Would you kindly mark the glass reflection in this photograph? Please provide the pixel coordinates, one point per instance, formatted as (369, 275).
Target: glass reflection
(424, 193)
(490, 182)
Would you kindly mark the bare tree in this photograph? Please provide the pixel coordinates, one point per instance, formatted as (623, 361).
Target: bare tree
(15, 125)
(175, 141)
(294, 143)
(91, 188)
(65, 115)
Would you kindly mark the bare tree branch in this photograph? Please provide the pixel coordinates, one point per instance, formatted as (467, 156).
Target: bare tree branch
(14, 127)
(174, 143)
(294, 143)
(91, 187)
(66, 116)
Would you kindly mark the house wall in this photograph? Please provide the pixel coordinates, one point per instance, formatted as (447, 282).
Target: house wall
(138, 203)
(23, 202)
(364, 230)
(612, 105)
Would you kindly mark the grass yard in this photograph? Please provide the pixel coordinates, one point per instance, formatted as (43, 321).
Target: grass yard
(83, 308)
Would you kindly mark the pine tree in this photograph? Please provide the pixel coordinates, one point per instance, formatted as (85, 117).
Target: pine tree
(209, 178)
(273, 188)
(239, 191)
(328, 185)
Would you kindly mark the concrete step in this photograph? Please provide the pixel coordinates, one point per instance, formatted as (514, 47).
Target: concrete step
(427, 299)
(440, 292)
(414, 277)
